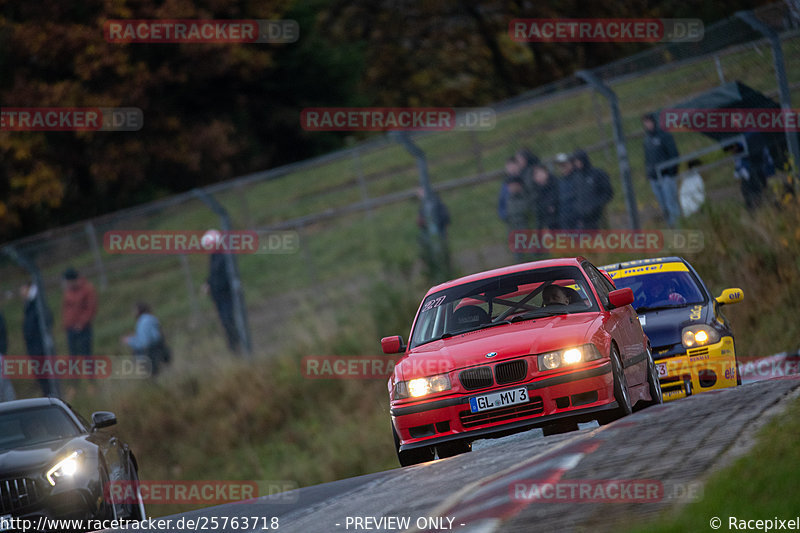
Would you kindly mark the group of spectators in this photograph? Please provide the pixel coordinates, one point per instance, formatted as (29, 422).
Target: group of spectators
(534, 197)
(79, 309)
(575, 195)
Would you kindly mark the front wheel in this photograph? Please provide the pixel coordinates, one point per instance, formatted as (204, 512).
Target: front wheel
(415, 456)
(621, 394)
(654, 384)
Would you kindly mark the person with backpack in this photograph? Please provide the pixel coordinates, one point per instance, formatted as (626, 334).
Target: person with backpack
(148, 339)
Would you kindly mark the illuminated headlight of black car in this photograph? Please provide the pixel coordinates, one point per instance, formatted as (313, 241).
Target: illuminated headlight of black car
(66, 468)
(568, 356)
(416, 388)
(699, 335)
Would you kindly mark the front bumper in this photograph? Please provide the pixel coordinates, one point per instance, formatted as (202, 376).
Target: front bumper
(701, 369)
(575, 395)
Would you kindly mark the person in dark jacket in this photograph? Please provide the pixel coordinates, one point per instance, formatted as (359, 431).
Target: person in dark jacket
(6, 387)
(518, 210)
(595, 191)
(569, 194)
(32, 332)
(219, 287)
(659, 146)
(513, 170)
(545, 198)
(749, 169)
(434, 252)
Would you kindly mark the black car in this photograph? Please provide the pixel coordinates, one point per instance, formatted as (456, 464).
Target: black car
(691, 340)
(55, 464)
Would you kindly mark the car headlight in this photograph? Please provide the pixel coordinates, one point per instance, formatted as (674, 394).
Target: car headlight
(418, 387)
(699, 335)
(568, 356)
(65, 468)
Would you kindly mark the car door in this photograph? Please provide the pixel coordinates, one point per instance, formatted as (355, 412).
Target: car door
(623, 325)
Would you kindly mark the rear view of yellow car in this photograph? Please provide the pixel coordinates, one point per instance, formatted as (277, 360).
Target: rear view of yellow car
(691, 340)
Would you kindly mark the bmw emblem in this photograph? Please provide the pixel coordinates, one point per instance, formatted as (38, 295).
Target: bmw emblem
(491, 354)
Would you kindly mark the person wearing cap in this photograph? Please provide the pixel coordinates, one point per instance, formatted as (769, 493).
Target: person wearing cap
(659, 146)
(78, 309)
(218, 286)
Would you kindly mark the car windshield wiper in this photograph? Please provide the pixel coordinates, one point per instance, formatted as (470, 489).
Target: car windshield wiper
(645, 308)
(540, 313)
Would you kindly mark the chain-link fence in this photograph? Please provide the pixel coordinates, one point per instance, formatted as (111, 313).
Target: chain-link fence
(354, 212)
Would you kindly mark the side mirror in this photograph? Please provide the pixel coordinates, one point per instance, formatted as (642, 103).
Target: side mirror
(620, 298)
(393, 344)
(103, 419)
(730, 296)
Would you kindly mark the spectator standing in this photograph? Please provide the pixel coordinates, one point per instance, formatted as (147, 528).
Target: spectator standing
(33, 334)
(513, 170)
(659, 146)
(435, 256)
(218, 285)
(569, 194)
(148, 340)
(78, 309)
(518, 210)
(693, 189)
(6, 387)
(545, 197)
(595, 191)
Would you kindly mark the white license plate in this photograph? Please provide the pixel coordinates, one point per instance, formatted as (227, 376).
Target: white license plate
(662, 369)
(496, 400)
(5, 522)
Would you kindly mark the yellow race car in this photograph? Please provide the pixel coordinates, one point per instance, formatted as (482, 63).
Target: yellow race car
(690, 338)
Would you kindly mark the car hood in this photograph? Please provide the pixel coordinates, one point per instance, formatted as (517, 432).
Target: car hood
(39, 456)
(508, 341)
(663, 327)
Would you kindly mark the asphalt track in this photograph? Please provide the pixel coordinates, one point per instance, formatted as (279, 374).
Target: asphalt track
(666, 451)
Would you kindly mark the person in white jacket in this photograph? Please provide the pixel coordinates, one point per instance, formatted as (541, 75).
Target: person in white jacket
(693, 190)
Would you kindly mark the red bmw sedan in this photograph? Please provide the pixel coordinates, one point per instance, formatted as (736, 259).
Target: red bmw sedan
(545, 344)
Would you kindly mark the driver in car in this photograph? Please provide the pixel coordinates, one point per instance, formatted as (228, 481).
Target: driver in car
(663, 291)
(554, 295)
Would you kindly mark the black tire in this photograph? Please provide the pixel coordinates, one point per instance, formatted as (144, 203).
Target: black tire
(559, 427)
(135, 510)
(415, 456)
(450, 449)
(620, 391)
(654, 384)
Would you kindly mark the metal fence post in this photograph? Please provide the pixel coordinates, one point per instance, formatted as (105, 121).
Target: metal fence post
(783, 84)
(98, 259)
(619, 140)
(436, 235)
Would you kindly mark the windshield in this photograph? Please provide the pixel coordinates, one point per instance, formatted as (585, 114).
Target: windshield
(27, 427)
(502, 300)
(659, 290)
